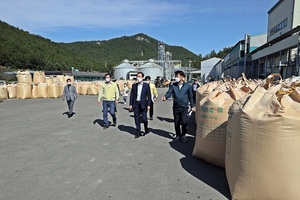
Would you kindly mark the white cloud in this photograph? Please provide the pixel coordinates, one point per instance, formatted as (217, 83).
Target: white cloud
(41, 15)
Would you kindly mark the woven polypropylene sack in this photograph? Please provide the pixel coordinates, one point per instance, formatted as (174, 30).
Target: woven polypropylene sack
(262, 145)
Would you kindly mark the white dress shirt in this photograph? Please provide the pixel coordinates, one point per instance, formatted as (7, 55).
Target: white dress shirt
(139, 91)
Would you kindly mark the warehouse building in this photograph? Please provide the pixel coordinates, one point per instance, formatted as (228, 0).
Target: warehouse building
(280, 54)
(238, 60)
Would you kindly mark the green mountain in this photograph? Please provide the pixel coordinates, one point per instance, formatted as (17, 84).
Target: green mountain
(22, 50)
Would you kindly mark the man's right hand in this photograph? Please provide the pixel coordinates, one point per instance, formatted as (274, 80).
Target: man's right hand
(98, 103)
(130, 108)
(163, 98)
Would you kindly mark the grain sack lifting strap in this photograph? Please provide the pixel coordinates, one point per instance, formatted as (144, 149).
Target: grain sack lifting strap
(269, 98)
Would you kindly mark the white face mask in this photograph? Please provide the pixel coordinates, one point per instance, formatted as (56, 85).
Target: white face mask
(107, 80)
(69, 83)
(139, 79)
(177, 79)
(148, 82)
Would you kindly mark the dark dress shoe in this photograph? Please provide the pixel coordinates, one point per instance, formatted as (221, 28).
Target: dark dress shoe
(105, 127)
(137, 135)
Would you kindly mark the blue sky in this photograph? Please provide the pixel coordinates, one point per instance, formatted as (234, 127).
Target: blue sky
(198, 25)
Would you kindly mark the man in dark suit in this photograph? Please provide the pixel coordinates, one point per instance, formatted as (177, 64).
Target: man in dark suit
(70, 95)
(140, 101)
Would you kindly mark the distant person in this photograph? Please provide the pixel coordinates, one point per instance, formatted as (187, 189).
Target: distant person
(109, 94)
(70, 95)
(140, 101)
(182, 94)
(125, 92)
(195, 87)
(154, 95)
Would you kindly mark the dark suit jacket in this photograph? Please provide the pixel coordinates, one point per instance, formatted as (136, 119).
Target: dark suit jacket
(145, 96)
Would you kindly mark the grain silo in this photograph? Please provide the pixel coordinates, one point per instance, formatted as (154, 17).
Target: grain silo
(123, 69)
(151, 69)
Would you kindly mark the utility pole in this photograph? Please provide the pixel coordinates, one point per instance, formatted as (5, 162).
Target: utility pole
(246, 51)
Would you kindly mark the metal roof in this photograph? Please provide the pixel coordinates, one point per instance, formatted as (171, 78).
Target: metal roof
(278, 2)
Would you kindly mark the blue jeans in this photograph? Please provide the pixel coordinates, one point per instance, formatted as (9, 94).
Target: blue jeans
(111, 105)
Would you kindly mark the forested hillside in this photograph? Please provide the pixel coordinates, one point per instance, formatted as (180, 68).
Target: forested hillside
(22, 50)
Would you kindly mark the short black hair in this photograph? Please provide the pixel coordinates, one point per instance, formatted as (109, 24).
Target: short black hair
(141, 74)
(148, 78)
(107, 75)
(181, 73)
(69, 79)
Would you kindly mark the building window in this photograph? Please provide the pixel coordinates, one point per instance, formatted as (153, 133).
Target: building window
(278, 27)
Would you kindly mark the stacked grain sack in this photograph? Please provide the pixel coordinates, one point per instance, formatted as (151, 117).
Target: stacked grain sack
(39, 77)
(24, 85)
(24, 91)
(24, 77)
(3, 92)
(61, 78)
(83, 88)
(54, 90)
(34, 92)
(213, 102)
(94, 88)
(49, 80)
(262, 143)
(42, 90)
(202, 92)
(120, 83)
(12, 91)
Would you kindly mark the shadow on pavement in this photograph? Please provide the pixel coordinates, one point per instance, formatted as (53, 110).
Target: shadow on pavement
(128, 110)
(67, 113)
(210, 174)
(100, 122)
(129, 129)
(165, 119)
(161, 133)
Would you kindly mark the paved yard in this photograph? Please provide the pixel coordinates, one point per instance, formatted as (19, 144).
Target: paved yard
(46, 156)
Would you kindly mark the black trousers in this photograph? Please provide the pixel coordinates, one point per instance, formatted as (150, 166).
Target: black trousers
(194, 96)
(151, 109)
(180, 120)
(138, 111)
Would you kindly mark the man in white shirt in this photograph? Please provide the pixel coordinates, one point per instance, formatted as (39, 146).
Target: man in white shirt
(140, 101)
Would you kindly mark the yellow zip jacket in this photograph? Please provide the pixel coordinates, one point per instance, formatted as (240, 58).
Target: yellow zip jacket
(109, 92)
(153, 90)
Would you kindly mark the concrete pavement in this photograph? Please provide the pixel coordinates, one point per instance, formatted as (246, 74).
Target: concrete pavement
(45, 155)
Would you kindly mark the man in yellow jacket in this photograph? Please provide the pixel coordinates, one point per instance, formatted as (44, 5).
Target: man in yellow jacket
(109, 93)
(154, 95)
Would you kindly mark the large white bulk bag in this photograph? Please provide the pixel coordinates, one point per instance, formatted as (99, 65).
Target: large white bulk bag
(262, 145)
(24, 77)
(23, 91)
(212, 123)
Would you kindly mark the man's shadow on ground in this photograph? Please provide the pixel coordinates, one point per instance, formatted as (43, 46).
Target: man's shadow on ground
(161, 133)
(210, 174)
(165, 119)
(129, 129)
(100, 122)
(67, 112)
